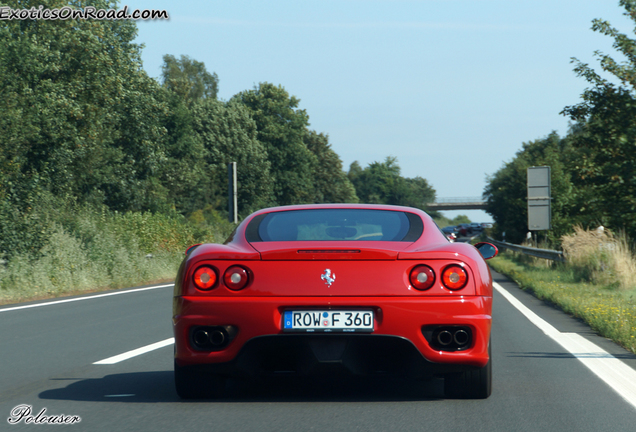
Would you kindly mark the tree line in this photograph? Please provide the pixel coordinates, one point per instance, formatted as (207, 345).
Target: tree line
(83, 124)
(594, 165)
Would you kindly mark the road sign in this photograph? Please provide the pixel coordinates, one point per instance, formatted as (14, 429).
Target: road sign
(539, 199)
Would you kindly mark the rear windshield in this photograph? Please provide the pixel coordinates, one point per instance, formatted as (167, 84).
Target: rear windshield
(335, 225)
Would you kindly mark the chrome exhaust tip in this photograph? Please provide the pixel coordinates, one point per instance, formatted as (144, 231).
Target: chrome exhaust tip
(444, 338)
(201, 337)
(461, 338)
(211, 338)
(449, 337)
(218, 337)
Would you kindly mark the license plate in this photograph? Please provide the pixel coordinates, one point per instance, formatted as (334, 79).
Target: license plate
(328, 321)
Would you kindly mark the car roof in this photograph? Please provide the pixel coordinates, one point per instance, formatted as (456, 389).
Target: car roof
(430, 234)
(341, 205)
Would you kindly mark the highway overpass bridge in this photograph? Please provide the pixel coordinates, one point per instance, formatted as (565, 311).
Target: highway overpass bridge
(463, 203)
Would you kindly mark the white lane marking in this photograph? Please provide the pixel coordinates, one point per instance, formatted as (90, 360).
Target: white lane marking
(135, 352)
(120, 395)
(543, 325)
(85, 298)
(614, 372)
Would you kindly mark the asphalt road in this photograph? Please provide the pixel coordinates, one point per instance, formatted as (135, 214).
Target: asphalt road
(47, 356)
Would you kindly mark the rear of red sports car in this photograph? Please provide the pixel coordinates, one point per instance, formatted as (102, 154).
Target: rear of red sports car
(334, 288)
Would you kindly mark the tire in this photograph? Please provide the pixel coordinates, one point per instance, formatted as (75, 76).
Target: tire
(473, 384)
(194, 383)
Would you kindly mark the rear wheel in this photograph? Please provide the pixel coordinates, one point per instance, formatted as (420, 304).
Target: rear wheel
(473, 384)
(194, 383)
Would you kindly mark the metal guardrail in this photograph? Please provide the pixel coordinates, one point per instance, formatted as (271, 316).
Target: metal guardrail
(535, 252)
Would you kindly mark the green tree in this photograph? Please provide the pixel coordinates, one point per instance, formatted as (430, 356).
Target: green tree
(381, 183)
(331, 184)
(605, 141)
(282, 129)
(594, 166)
(77, 111)
(354, 173)
(606, 163)
(506, 190)
(378, 182)
(184, 167)
(419, 194)
(188, 78)
(229, 134)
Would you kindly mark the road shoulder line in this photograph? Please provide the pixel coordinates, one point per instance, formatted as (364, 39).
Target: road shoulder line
(85, 298)
(611, 370)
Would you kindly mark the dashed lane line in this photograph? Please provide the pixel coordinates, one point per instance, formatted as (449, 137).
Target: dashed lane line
(135, 352)
(611, 370)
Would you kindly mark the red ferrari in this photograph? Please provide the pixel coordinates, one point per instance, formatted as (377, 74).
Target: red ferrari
(351, 288)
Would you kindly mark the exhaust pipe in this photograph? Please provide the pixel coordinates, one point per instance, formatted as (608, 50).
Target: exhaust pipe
(461, 337)
(201, 337)
(212, 338)
(444, 338)
(218, 337)
(448, 337)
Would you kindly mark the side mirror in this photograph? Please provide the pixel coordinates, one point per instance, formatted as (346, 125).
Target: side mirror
(487, 250)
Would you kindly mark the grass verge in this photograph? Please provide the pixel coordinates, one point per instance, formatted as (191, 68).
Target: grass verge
(89, 250)
(608, 310)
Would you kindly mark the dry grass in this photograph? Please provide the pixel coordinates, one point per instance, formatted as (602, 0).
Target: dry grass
(596, 284)
(610, 312)
(601, 257)
(91, 250)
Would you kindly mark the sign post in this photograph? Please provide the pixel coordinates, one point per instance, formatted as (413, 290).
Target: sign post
(539, 199)
(232, 192)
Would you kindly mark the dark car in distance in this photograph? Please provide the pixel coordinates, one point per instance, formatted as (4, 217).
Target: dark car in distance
(467, 227)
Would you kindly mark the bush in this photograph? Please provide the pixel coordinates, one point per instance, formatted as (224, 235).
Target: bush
(85, 248)
(210, 225)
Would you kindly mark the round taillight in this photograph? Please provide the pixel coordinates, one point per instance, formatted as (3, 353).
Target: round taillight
(422, 277)
(454, 277)
(205, 277)
(235, 278)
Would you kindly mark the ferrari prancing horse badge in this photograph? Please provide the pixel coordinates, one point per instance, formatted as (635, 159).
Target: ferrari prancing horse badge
(327, 277)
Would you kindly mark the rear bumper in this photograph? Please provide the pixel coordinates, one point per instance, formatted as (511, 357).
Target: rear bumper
(260, 341)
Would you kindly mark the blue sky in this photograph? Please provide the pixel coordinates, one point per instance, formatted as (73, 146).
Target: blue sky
(452, 88)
